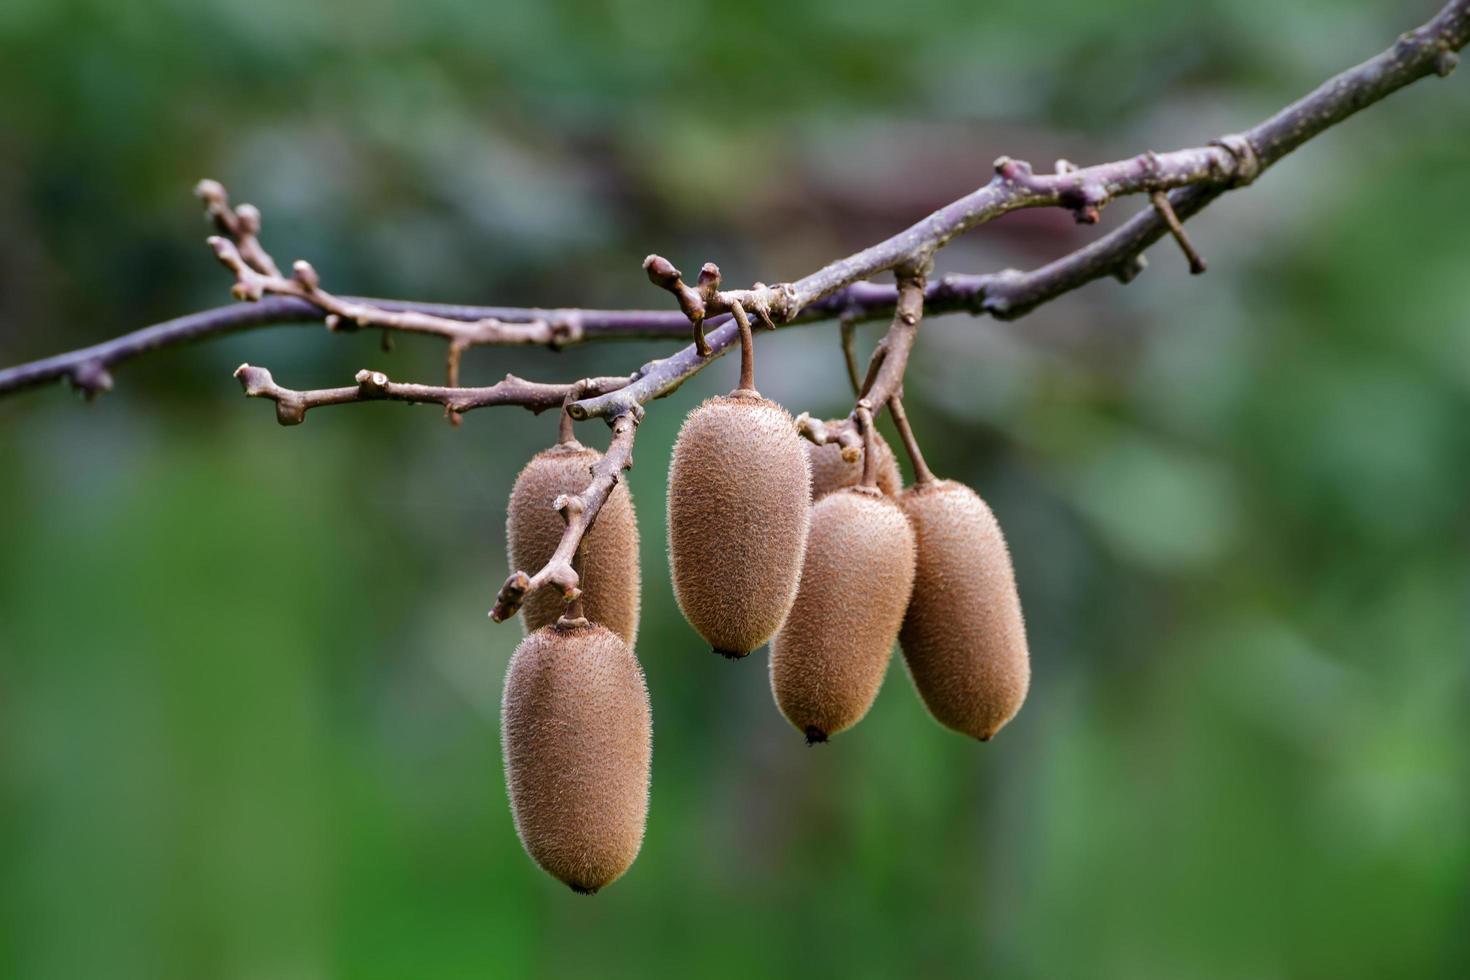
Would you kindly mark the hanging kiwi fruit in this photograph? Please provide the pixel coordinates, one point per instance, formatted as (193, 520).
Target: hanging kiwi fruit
(739, 510)
(577, 734)
(963, 637)
(815, 547)
(609, 551)
(830, 656)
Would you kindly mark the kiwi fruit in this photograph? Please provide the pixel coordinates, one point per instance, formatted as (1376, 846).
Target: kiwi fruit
(577, 734)
(831, 472)
(739, 508)
(533, 529)
(828, 660)
(963, 637)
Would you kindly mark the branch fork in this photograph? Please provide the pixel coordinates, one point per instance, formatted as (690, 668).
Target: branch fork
(238, 249)
(770, 304)
(1178, 184)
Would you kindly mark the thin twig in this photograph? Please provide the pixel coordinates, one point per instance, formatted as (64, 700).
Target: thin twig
(292, 405)
(887, 377)
(847, 324)
(864, 415)
(1165, 210)
(256, 276)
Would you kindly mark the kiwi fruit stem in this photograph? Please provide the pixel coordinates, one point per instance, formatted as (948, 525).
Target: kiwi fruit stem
(870, 444)
(747, 348)
(565, 436)
(574, 609)
(922, 473)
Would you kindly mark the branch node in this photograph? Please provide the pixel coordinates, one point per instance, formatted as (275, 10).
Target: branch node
(256, 381)
(1445, 62)
(1247, 162)
(564, 329)
(372, 384)
(663, 274)
(1011, 170)
(248, 218)
(842, 434)
(91, 378)
(993, 299)
(290, 411)
(512, 594)
(1085, 200)
(303, 273)
(1127, 270)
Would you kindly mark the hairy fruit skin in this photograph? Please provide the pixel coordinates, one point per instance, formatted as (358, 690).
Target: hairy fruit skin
(739, 509)
(577, 733)
(964, 638)
(830, 472)
(828, 660)
(533, 528)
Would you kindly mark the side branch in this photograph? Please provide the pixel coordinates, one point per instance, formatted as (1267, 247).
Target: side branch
(238, 249)
(579, 511)
(292, 405)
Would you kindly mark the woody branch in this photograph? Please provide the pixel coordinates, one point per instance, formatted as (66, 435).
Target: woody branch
(1179, 184)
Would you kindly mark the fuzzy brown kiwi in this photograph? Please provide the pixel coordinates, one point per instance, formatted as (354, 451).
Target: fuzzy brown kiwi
(828, 660)
(533, 529)
(577, 733)
(739, 508)
(963, 637)
(831, 472)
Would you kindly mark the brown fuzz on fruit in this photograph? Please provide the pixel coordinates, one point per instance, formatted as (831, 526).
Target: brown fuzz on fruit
(831, 472)
(577, 734)
(963, 638)
(739, 508)
(609, 552)
(828, 660)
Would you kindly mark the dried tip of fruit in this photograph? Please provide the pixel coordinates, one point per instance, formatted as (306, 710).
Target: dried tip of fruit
(739, 509)
(815, 736)
(730, 654)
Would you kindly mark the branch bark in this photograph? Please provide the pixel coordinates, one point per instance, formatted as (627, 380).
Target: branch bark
(579, 512)
(835, 291)
(292, 405)
(1198, 177)
(1179, 184)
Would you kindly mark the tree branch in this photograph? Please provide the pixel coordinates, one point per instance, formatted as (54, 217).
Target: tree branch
(1179, 185)
(292, 405)
(835, 290)
(1198, 175)
(579, 512)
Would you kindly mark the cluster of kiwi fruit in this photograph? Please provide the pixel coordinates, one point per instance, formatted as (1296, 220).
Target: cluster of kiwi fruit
(818, 549)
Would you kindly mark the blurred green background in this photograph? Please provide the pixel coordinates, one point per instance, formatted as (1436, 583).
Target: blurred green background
(248, 694)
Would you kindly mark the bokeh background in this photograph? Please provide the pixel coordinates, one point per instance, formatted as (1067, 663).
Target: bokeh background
(248, 694)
